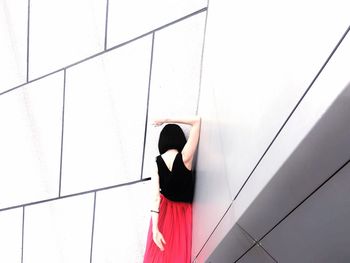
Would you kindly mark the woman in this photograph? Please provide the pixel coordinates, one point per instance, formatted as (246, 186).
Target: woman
(170, 232)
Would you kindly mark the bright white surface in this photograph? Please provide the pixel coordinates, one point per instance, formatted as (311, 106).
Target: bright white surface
(59, 231)
(318, 230)
(11, 235)
(212, 195)
(121, 223)
(143, 16)
(175, 77)
(30, 139)
(260, 60)
(329, 85)
(105, 105)
(63, 32)
(13, 44)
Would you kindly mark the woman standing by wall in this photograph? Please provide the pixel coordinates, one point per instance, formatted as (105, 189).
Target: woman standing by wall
(170, 232)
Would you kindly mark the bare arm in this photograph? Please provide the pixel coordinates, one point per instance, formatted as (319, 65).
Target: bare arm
(157, 236)
(190, 147)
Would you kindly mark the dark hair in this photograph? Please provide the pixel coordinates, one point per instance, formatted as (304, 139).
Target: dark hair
(171, 137)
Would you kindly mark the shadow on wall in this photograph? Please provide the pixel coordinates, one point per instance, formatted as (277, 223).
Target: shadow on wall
(290, 208)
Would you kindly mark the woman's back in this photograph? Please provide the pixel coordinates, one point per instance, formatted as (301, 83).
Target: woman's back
(175, 179)
(169, 158)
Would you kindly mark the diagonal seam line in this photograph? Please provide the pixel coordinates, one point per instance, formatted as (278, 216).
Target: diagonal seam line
(212, 232)
(62, 131)
(306, 198)
(106, 25)
(295, 107)
(256, 244)
(107, 50)
(22, 248)
(298, 205)
(202, 59)
(241, 256)
(93, 227)
(247, 233)
(76, 194)
(147, 105)
(267, 252)
(329, 57)
(28, 28)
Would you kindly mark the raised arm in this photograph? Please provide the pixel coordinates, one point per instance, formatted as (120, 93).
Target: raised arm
(192, 142)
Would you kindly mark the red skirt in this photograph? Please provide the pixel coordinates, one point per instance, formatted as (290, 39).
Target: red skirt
(175, 223)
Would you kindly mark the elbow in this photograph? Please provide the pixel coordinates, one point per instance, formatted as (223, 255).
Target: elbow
(197, 119)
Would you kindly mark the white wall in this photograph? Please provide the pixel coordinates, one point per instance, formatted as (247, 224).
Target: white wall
(13, 44)
(260, 57)
(81, 82)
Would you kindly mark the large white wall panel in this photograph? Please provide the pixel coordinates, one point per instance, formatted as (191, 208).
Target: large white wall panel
(13, 44)
(212, 196)
(324, 113)
(30, 139)
(63, 32)
(318, 230)
(11, 235)
(259, 73)
(130, 19)
(105, 113)
(175, 77)
(59, 231)
(121, 223)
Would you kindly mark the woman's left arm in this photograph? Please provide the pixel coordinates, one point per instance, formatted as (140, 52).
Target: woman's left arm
(157, 235)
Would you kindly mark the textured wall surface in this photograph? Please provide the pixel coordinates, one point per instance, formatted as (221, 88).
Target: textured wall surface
(82, 80)
(271, 71)
(80, 83)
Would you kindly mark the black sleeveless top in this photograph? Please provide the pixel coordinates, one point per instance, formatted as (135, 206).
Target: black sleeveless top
(176, 185)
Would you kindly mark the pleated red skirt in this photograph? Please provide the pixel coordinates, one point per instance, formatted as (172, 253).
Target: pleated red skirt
(175, 223)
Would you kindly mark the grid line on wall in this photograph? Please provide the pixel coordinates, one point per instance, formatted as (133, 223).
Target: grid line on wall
(246, 252)
(247, 233)
(306, 198)
(93, 227)
(212, 232)
(202, 59)
(62, 132)
(294, 109)
(28, 28)
(22, 246)
(312, 82)
(251, 237)
(256, 243)
(147, 107)
(75, 194)
(298, 205)
(106, 25)
(64, 69)
(108, 50)
(267, 252)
